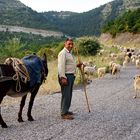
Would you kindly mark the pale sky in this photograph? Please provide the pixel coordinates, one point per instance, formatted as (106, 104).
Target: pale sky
(64, 5)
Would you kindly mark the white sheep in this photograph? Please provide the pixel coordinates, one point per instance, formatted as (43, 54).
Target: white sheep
(134, 57)
(127, 58)
(133, 60)
(125, 63)
(112, 55)
(101, 71)
(88, 63)
(88, 70)
(115, 69)
(137, 63)
(136, 84)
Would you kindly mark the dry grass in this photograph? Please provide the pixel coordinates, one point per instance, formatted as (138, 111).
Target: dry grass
(51, 84)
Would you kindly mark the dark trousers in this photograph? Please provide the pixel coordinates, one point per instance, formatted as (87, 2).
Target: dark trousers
(67, 94)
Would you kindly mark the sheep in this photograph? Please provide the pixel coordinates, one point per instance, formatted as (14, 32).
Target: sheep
(127, 58)
(137, 63)
(101, 52)
(136, 84)
(101, 71)
(112, 55)
(115, 68)
(110, 66)
(133, 60)
(134, 57)
(88, 70)
(89, 63)
(125, 63)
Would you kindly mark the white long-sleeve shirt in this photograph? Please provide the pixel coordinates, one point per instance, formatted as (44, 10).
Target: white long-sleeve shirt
(66, 63)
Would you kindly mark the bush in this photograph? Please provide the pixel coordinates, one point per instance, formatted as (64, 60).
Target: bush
(59, 48)
(49, 52)
(88, 46)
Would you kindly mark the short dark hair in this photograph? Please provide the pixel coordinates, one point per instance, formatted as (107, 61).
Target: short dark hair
(69, 39)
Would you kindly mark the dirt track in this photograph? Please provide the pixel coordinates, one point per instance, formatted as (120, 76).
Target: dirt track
(114, 115)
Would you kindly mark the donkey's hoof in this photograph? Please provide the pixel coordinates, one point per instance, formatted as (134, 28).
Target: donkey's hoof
(4, 125)
(30, 119)
(20, 120)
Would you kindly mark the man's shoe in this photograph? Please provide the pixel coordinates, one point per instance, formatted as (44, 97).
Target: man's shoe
(67, 117)
(70, 113)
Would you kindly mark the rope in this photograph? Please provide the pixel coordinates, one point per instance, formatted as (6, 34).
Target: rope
(20, 70)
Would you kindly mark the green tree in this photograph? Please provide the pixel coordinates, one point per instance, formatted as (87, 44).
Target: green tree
(12, 48)
(128, 22)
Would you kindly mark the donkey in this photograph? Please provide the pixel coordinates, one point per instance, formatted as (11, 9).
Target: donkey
(8, 86)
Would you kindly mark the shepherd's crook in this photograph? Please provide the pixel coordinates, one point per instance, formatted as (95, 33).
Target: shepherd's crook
(83, 77)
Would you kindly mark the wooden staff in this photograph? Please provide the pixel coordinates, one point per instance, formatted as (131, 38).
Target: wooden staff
(83, 77)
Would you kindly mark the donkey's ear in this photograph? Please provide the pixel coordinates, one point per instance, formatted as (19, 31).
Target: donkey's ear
(44, 57)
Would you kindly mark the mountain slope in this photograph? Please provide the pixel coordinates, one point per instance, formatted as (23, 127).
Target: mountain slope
(13, 12)
(91, 22)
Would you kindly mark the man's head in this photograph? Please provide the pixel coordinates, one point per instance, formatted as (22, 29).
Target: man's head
(68, 44)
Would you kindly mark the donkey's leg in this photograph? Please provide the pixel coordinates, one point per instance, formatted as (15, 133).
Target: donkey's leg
(3, 124)
(22, 103)
(33, 94)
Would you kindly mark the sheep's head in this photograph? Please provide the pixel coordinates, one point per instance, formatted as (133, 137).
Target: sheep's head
(136, 77)
(110, 63)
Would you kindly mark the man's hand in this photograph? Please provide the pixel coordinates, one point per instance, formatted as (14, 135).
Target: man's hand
(63, 81)
(79, 65)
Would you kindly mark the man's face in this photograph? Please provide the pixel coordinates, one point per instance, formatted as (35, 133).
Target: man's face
(69, 45)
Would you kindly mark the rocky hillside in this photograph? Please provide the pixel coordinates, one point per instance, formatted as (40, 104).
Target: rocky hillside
(124, 39)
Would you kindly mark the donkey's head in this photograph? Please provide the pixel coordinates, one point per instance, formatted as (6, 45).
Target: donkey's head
(44, 60)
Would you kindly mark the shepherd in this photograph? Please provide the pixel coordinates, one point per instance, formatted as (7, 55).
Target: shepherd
(66, 76)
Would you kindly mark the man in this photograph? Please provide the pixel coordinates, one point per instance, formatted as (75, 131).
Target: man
(66, 76)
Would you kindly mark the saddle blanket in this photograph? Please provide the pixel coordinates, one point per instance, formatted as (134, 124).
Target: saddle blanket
(35, 67)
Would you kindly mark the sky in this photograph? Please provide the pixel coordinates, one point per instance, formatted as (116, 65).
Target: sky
(64, 5)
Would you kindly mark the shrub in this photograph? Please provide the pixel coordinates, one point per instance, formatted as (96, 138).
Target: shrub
(59, 48)
(88, 46)
(49, 52)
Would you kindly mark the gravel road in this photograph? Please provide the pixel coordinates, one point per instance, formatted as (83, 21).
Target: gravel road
(114, 115)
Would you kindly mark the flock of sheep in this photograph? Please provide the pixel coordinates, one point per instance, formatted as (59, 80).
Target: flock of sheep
(128, 56)
(89, 70)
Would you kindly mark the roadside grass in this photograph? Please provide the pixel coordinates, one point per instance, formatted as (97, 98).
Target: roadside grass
(51, 84)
